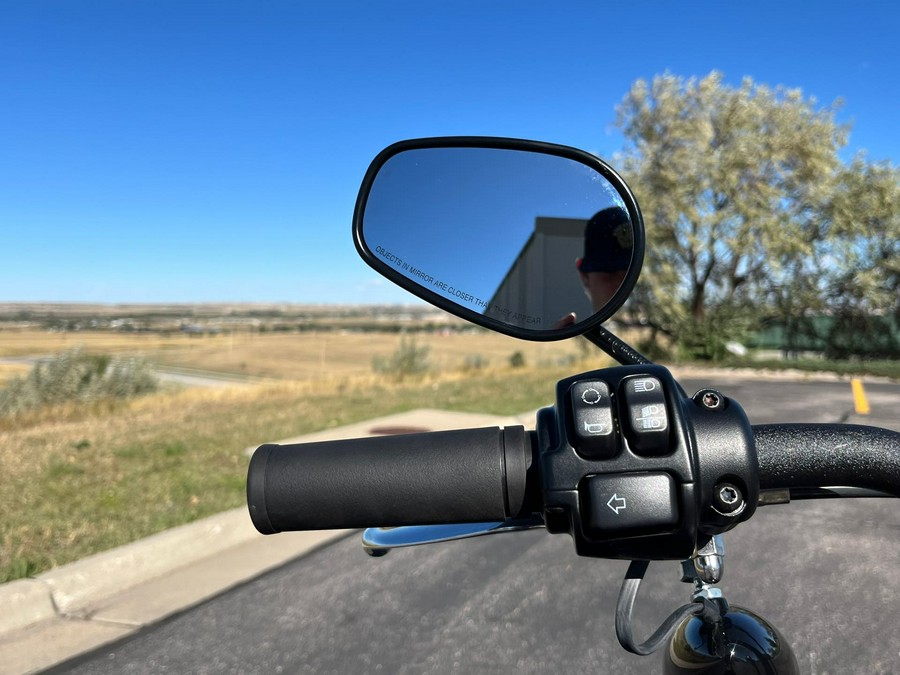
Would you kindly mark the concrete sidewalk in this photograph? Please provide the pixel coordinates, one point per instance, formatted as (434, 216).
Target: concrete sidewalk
(74, 609)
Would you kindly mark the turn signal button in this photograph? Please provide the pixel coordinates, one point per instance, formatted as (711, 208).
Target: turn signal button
(628, 503)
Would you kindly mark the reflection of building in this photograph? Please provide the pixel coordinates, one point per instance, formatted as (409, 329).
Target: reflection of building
(543, 284)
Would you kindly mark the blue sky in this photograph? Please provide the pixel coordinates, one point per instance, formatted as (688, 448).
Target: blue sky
(185, 151)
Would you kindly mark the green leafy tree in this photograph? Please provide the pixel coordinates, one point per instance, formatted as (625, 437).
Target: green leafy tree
(863, 256)
(733, 182)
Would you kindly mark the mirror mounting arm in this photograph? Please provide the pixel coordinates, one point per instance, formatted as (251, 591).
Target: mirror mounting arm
(617, 348)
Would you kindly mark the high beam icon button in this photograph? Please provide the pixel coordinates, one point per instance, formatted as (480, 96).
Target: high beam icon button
(646, 424)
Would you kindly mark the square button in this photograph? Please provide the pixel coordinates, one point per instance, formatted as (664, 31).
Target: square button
(630, 502)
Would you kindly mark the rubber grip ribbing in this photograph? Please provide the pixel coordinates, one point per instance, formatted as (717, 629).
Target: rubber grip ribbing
(467, 475)
(819, 455)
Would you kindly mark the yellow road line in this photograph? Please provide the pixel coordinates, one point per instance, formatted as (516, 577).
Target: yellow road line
(860, 402)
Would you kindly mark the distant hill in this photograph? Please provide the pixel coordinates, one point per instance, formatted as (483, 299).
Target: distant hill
(215, 317)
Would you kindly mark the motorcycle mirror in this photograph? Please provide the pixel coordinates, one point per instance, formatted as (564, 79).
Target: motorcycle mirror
(530, 239)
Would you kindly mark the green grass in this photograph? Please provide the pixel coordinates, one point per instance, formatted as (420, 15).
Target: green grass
(885, 368)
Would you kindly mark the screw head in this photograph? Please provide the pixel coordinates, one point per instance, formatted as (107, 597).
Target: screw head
(728, 499)
(728, 494)
(711, 399)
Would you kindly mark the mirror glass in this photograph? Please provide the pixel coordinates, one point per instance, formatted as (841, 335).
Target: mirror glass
(534, 241)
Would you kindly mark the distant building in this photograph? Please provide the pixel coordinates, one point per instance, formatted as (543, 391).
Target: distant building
(543, 283)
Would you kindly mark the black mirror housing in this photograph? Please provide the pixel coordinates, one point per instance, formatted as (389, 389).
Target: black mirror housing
(530, 239)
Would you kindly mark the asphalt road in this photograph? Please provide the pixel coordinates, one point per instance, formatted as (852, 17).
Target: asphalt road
(824, 572)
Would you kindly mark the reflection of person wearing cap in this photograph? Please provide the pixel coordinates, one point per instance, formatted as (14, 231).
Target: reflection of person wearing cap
(608, 247)
(608, 244)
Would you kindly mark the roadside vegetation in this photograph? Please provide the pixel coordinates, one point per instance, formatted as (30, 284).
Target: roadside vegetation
(74, 377)
(408, 359)
(858, 367)
(81, 476)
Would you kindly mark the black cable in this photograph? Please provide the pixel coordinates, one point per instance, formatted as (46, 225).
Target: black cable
(625, 610)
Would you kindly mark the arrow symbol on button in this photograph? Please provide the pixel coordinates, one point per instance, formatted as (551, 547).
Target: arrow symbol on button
(616, 503)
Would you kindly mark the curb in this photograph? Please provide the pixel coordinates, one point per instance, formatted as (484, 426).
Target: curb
(24, 602)
(111, 596)
(82, 588)
(77, 588)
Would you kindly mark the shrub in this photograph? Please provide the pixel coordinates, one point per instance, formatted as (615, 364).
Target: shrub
(517, 360)
(408, 359)
(75, 377)
(475, 362)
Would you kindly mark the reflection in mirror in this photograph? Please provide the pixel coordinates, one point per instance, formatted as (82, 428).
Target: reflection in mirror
(532, 240)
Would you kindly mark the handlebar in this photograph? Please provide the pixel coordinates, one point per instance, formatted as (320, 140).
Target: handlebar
(481, 475)
(819, 455)
(469, 475)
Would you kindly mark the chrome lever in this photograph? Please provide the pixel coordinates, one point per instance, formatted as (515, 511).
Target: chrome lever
(377, 541)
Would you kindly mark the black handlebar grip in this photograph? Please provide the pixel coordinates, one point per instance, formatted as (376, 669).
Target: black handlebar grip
(468, 475)
(821, 455)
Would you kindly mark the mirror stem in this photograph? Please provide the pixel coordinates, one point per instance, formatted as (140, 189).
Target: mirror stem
(616, 348)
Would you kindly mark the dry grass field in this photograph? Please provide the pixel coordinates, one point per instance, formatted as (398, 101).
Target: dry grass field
(317, 355)
(10, 370)
(40, 342)
(304, 356)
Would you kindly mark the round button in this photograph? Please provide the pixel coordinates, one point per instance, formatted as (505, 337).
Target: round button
(591, 396)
